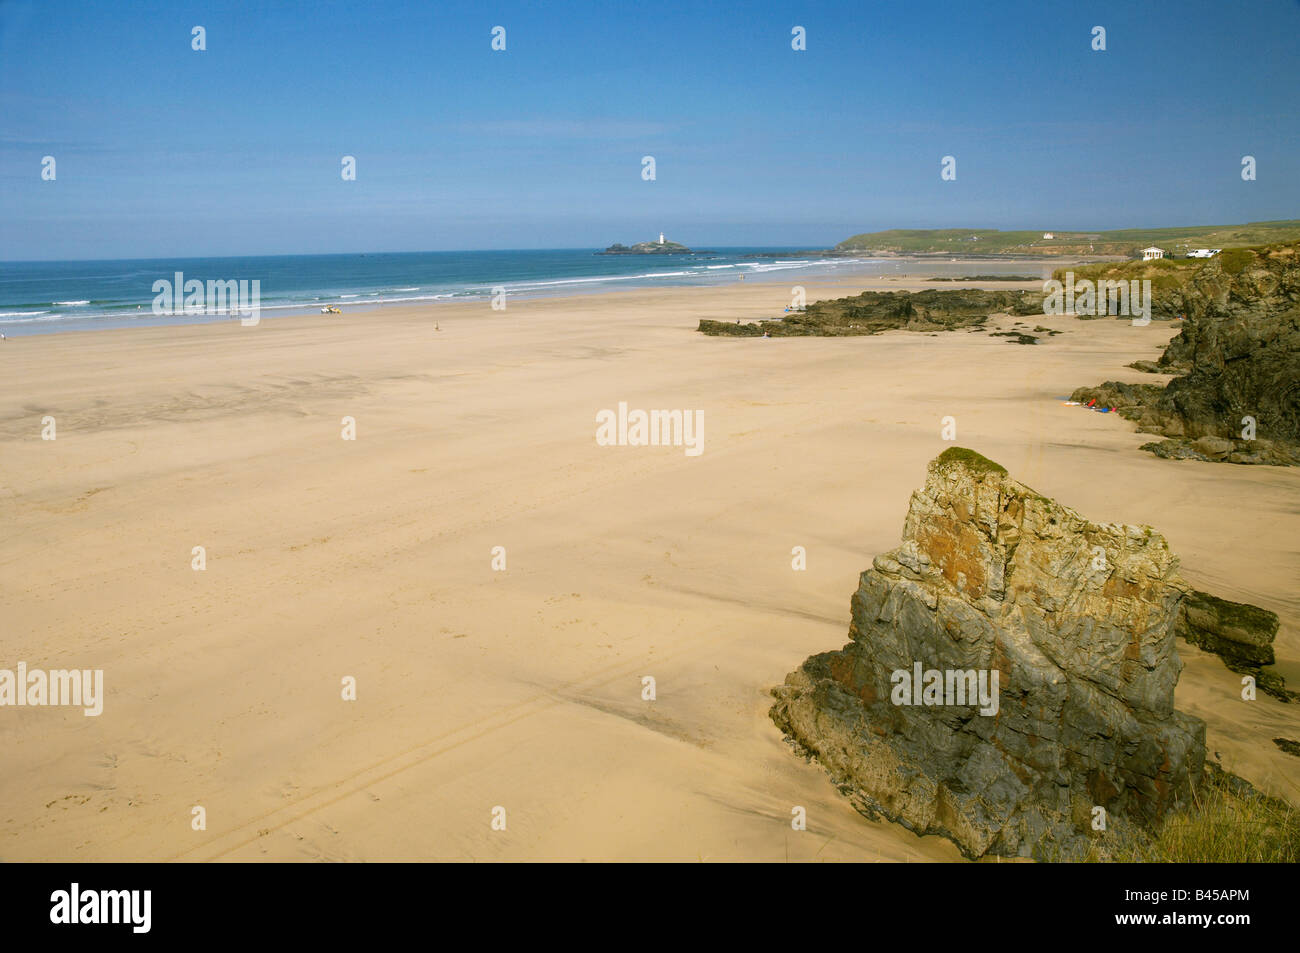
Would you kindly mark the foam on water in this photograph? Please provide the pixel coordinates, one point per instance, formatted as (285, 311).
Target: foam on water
(40, 297)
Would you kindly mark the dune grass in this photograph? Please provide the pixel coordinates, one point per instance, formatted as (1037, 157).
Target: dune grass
(1230, 822)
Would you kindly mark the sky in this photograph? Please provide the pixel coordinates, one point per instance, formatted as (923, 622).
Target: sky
(162, 150)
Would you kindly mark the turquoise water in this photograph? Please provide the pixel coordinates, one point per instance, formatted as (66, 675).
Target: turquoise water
(44, 297)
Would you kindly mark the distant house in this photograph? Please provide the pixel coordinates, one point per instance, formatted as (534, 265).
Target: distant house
(1048, 235)
(1152, 253)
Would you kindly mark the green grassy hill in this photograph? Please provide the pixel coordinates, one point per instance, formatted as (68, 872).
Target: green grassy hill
(1126, 241)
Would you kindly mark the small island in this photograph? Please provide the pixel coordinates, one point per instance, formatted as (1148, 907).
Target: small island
(660, 247)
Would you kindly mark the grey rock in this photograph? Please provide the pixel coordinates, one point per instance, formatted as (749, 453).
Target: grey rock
(1076, 618)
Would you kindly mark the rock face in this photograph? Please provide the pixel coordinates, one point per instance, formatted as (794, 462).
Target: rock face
(1239, 354)
(1075, 620)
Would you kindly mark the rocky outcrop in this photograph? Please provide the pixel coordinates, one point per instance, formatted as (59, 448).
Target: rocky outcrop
(1238, 399)
(874, 311)
(1068, 628)
(647, 248)
(1240, 634)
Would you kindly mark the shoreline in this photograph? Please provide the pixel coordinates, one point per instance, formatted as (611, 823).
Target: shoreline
(571, 288)
(439, 311)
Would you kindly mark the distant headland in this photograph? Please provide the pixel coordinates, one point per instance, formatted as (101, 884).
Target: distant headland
(1177, 242)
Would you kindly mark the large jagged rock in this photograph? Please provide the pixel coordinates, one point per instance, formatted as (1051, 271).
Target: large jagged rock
(1239, 356)
(1076, 618)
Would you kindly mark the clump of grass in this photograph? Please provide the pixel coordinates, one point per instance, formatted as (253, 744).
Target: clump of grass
(977, 462)
(1163, 273)
(1230, 822)
(1233, 260)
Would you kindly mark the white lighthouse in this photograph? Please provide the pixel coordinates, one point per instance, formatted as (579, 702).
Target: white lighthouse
(661, 238)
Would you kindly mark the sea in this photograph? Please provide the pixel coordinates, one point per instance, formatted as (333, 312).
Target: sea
(52, 296)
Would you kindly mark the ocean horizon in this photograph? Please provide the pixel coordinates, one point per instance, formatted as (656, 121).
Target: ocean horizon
(50, 296)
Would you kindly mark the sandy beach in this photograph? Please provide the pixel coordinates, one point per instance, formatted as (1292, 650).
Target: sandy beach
(476, 688)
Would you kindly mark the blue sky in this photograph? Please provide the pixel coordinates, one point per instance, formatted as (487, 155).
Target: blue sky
(162, 150)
